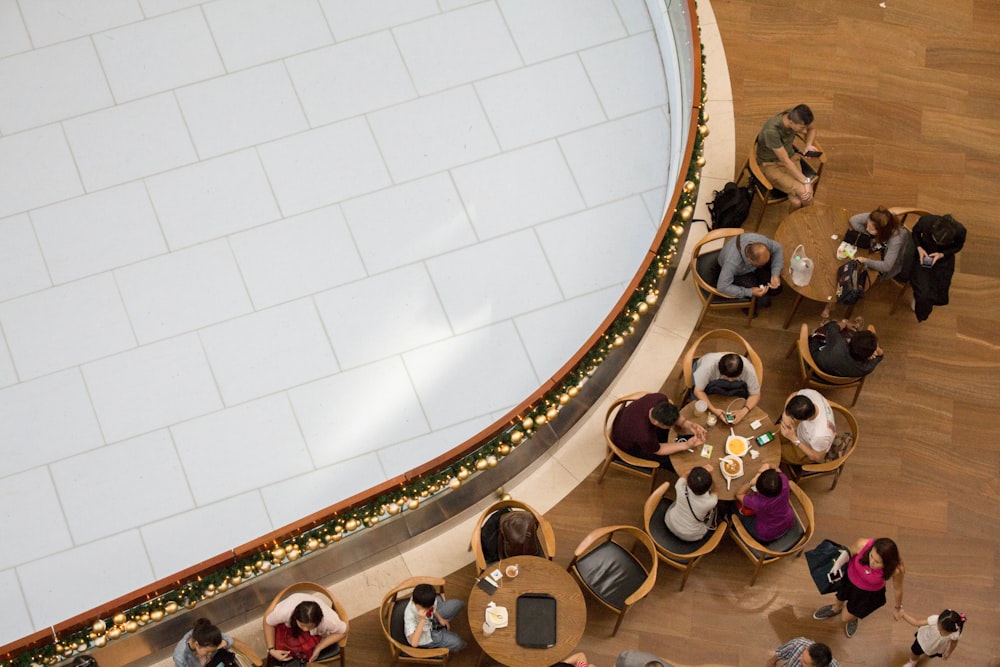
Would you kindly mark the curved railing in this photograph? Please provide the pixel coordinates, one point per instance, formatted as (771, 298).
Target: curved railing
(606, 349)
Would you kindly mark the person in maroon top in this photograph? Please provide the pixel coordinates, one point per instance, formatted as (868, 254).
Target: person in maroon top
(642, 429)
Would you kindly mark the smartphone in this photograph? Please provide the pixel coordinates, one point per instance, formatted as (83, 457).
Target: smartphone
(928, 261)
(813, 153)
(730, 417)
(764, 438)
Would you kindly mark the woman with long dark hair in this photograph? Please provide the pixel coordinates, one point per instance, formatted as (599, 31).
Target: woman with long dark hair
(199, 644)
(302, 627)
(862, 591)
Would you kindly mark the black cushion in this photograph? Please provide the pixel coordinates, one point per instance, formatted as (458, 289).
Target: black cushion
(709, 269)
(328, 652)
(612, 573)
(625, 464)
(783, 543)
(661, 535)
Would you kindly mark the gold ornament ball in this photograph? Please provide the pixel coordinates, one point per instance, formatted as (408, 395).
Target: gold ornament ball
(374, 520)
(99, 626)
(643, 307)
(573, 391)
(481, 464)
(424, 493)
(686, 213)
(392, 509)
(552, 414)
(505, 497)
(143, 618)
(651, 298)
(294, 554)
(703, 130)
(463, 474)
(223, 587)
(619, 341)
(82, 646)
(278, 553)
(527, 423)
(156, 615)
(540, 420)
(68, 650)
(704, 116)
(563, 398)
(516, 437)
(504, 449)
(412, 504)
(211, 587)
(265, 566)
(339, 528)
(678, 230)
(119, 619)
(336, 537)
(352, 524)
(131, 626)
(690, 186)
(170, 607)
(236, 580)
(454, 483)
(701, 161)
(114, 633)
(312, 544)
(491, 461)
(100, 641)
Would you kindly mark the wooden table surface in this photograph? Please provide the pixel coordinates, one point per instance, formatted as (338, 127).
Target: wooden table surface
(684, 461)
(536, 575)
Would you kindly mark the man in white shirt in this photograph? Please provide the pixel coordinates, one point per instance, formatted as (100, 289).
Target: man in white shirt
(727, 373)
(807, 428)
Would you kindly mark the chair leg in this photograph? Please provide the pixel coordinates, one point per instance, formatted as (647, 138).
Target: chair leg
(756, 571)
(760, 216)
(795, 345)
(836, 477)
(795, 307)
(607, 464)
(857, 392)
(704, 309)
(618, 623)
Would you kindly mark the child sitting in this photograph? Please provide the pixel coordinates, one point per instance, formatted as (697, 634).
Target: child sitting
(689, 516)
(936, 636)
(773, 514)
(427, 619)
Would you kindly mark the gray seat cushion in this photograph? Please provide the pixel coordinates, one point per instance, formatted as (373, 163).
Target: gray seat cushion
(612, 573)
(663, 537)
(708, 268)
(783, 543)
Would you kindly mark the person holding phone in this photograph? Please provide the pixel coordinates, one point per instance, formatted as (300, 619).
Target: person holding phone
(777, 156)
(938, 238)
(427, 620)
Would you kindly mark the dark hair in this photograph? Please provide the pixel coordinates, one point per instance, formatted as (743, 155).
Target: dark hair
(951, 620)
(665, 413)
(699, 480)
(887, 549)
(83, 661)
(863, 345)
(885, 223)
(800, 407)
(561, 664)
(731, 365)
(801, 113)
(769, 483)
(306, 612)
(944, 229)
(205, 633)
(820, 654)
(424, 595)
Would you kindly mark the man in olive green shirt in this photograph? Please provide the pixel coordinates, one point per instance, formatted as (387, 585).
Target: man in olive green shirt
(778, 159)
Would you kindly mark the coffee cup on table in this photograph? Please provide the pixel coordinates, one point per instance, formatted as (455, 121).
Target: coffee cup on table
(511, 570)
(488, 628)
(700, 407)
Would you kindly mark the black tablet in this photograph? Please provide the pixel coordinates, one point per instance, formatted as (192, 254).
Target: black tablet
(536, 620)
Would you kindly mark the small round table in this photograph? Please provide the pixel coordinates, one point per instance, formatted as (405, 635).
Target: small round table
(684, 460)
(820, 229)
(536, 575)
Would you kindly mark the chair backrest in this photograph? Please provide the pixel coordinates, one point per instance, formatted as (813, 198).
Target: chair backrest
(743, 348)
(609, 420)
(908, 216)
(647, 559)
(545, 535)
(311, 588)
(804, 513)
(391, 620)
(852, 425)
(811, 373)
(764, 186)
(683, 555)
(699, 249)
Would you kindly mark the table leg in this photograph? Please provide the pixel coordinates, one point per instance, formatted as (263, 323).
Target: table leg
(795, 307)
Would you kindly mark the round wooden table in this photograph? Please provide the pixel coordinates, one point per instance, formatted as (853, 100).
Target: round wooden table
(684, 461)
(820, 229)
(536, 575)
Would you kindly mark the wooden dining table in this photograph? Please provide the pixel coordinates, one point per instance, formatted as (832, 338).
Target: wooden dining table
(820, 230)
(684, 460)
(535, 575)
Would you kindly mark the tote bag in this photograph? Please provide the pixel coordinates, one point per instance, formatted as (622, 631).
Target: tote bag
(826, 565)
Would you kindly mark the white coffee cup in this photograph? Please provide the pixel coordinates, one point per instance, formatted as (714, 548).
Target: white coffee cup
(700, 407)
(511, 570)
(488, 628)
(711, 419)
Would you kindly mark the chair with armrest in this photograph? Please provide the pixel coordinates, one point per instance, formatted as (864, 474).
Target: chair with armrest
(814, 377)
(391, 618)
(616, 573)
(670, 549)
(733, 343)
(762, 188)
(908, 217)
(545, 537)
(619, 458)
(331, 654)
(705, 267)
(835, 465)
(790, 544)
(245, 654)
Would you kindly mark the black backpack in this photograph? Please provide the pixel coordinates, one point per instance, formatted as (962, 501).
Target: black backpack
(731, 206)
(852, 279)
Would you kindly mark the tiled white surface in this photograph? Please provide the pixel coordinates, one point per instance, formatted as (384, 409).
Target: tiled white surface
(30, 501)
(232, 228)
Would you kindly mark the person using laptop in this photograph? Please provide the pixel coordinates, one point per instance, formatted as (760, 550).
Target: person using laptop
(778, 159)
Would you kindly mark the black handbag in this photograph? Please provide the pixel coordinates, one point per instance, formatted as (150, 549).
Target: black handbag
(826, 565)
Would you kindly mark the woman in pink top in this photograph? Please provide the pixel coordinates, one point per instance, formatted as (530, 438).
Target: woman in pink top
(862, 591)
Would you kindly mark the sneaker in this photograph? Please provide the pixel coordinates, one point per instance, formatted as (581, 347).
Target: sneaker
(851, 628)
(824, 613)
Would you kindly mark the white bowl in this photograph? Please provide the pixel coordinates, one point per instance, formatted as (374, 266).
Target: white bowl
(739, 464)
(737, 445)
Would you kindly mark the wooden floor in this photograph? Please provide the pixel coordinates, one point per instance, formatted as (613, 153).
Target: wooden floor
(906, 99)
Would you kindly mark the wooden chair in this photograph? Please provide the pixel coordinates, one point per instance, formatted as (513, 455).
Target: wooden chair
(619, 458)
(734, 340)
(611, 570)
(909, 217)
(704, 265)
(546, 536)
(814, 377)
(762, 188)
(836, 466)
(331, 654)
(244, 654)
(671, 550)
(790, 544)
(391, 619)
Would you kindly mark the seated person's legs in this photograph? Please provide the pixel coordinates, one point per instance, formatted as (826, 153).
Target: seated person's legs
(792, 454)
(443, 638)
(784, 180)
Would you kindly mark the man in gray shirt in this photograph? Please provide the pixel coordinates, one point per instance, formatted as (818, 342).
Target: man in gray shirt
(750, 265)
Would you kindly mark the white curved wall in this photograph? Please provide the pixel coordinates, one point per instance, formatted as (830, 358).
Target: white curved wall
(258, 257)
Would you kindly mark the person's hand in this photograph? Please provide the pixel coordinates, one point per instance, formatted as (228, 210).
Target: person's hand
(445, 622)
(740, 414)
(699, 432)
(788, 431)
(935, 256)
(280, 655)
(766, 466)
(759, 291)
(808, 148)
(862, 259)
(897, 614)
(708, 467)
(775, 282)
(315, 655)
(807, 192)
(878, 352)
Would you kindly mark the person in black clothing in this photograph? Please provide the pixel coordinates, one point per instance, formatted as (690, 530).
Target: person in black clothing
(938, 238)
(840, 350)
